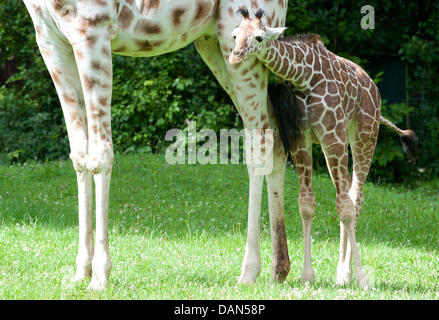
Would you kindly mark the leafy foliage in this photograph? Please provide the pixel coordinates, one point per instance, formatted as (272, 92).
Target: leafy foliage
(162, 92)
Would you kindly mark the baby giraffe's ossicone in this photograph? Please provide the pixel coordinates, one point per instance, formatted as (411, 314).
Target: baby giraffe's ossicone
(251, 36)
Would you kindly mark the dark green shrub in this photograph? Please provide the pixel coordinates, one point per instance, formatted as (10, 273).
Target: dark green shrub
(153, 95)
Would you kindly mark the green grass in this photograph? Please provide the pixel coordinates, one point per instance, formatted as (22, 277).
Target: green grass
(178, 232)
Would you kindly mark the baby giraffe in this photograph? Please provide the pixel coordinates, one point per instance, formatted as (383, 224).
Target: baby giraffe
(339, 105)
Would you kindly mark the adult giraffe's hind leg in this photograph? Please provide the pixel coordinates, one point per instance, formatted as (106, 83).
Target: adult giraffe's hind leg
(275, 189)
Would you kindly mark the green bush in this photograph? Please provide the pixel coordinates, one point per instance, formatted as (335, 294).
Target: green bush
(162, 92)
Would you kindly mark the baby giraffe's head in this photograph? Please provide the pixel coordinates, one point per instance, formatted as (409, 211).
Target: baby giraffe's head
(251, 36)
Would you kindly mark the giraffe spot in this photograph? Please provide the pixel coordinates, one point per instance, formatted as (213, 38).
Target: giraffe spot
(58, 5)
(78, 123)
(102, 113)
(281, 48)
(79, 55)
(102, 3)
(332, 88)
(202, 10)
(320, 89)
(145, 26)
(106, 51)
(339, 114)
(97, 19)
(93, 107)
(298, 54)
(126, 17)
(103, 101)
(37, 9)
(313, 99)
(96, 65)
(68, 99)
(73, 116)
(244, 71)
(330, 138)
(332, 101)
(144, 45)
(107, 128)
(122, 48)
(176, 16)
(55, 76)
(314, 112)
(318, 77)
(148, 5)
(89, 83)
(91, 40)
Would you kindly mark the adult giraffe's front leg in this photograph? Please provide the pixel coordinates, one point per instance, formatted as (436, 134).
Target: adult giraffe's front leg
(275, 190)
(249, 81)
(93, 55)
(210, 51)
(61, 64)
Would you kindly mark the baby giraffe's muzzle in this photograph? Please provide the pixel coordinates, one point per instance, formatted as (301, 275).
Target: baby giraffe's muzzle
(236, 56)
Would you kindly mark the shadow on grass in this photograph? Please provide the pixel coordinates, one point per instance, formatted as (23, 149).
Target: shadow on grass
(176, 200)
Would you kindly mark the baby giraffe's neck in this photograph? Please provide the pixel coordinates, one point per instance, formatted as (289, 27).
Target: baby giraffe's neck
(290, 61)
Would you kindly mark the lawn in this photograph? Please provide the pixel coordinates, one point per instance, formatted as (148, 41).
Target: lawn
(178, 232)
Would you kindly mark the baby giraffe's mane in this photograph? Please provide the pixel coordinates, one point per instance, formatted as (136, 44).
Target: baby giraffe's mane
(304, 37)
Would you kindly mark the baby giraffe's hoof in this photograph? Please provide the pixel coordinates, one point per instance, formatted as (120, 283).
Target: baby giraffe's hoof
(362, 280)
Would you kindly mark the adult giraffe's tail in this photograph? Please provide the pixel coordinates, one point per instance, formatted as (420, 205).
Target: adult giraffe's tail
(408, 138)
(287, 113)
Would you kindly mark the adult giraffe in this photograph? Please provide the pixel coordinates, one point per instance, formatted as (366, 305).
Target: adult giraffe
(76, 39)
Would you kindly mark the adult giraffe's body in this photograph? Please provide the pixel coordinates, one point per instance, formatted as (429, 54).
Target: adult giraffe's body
(341, 106)
(76, 38)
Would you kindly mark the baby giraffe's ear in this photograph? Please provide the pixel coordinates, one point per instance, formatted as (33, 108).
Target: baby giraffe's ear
(273, 33)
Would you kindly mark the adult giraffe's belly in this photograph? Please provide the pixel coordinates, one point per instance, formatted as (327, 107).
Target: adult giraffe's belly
(151, 27)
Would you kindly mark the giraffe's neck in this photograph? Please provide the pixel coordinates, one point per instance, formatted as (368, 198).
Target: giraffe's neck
(292, 61)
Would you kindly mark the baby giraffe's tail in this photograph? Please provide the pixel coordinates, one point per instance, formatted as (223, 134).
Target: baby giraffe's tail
(287, 113)
(408, 138)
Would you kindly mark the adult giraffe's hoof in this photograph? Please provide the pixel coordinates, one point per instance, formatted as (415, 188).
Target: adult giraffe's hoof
(280, 276)
(344, 276)
(81, 275)
(98, 283)
(249, 274)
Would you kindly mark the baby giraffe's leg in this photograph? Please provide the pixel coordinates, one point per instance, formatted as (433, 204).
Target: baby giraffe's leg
(363, 136)
(302, 157)
(93, 55)
(336, 155)
(61, 64)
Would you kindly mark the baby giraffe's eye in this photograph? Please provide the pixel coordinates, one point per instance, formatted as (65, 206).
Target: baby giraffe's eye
(259, 39)
(234, 37)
